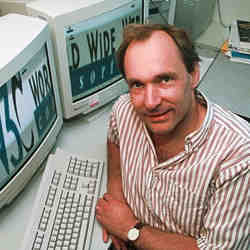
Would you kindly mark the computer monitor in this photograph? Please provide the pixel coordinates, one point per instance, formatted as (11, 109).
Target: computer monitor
(30, 110)
(194, 16)
(86, 35)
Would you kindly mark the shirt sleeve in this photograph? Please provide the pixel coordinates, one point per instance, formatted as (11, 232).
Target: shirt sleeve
(226, 222)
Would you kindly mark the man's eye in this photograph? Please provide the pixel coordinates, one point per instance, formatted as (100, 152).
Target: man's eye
(136, 85)
(165, 79)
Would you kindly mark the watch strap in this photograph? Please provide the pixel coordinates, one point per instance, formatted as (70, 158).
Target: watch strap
(139, 225)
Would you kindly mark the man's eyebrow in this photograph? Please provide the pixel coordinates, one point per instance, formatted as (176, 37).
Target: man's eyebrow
(156, 78)
(132, 80)
(164, 75)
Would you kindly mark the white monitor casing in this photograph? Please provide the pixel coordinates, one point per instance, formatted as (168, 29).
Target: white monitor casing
(22, 37)
(61, 14)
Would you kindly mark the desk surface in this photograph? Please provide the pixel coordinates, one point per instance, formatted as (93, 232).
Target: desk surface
(81, 136)
(226, 83)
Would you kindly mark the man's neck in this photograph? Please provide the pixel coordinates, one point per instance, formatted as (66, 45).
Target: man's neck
(169, 145)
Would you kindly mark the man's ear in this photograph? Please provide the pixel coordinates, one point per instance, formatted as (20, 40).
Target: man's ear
(195, 76)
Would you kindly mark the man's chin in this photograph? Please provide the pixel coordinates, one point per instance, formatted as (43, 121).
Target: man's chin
(159, 129)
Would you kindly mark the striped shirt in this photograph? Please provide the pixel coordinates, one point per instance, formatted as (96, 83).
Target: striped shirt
(201, 192)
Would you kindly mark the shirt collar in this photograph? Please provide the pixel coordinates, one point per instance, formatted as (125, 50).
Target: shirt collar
(198, 137)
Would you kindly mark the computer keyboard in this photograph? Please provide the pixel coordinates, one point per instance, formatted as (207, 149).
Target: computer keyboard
(64, 211)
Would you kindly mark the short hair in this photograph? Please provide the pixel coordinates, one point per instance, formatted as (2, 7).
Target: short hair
(142, 32)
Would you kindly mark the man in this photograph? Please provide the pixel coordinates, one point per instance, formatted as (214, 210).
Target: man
(178, 165)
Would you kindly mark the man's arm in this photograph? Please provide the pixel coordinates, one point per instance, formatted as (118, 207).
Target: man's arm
(117, 218)
(153, 239)
(114, 185)
(114, 182)
(226, 223)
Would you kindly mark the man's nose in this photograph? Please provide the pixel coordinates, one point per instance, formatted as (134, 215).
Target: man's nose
(152, 98)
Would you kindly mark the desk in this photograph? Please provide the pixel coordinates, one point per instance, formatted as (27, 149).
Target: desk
(81, 136)
(226, 83)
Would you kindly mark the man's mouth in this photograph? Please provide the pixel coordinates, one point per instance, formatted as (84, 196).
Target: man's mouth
(158, 117)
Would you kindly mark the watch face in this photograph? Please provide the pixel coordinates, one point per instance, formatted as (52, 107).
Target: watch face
(133, 234)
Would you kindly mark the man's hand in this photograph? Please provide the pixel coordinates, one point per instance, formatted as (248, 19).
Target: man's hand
(118, 243)
(115, 216)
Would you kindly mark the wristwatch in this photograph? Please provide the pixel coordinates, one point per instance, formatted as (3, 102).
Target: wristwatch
(134, 233)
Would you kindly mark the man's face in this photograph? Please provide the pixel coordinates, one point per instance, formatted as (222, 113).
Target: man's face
(161, 89)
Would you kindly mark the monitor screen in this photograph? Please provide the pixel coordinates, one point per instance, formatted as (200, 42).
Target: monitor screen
(91, 46)
(27, 112)
(30, 111)
(86, 35)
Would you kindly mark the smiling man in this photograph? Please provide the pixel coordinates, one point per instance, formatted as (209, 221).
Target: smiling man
(178, 165)
(162, 92)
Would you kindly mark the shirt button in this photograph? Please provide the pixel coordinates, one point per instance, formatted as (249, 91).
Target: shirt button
(203, 232)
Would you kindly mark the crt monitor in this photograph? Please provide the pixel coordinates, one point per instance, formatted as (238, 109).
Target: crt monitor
(86, 35)
(194, 16)
(201, 13)
(30, 111)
